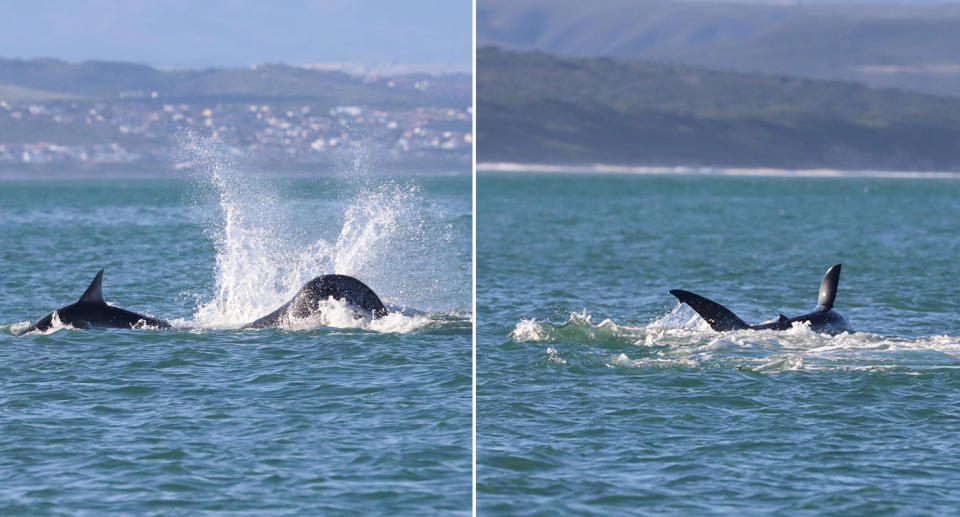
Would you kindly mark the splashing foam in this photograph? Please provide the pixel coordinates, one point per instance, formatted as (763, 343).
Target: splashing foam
(55, 325)
(579, 328)
(681, 317)
(528, 330)
(339, 314)
(554, 357)
(260, 261)
(683, 339)
(15, 328)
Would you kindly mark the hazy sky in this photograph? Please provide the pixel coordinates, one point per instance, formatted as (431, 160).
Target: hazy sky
(181, 33)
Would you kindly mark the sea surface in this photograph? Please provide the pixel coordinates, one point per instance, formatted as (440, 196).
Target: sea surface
(599, 394)
(344, 416)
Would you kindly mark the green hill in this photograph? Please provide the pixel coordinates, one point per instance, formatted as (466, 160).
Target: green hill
(110, 80)
(14, 93)
(903, 46)
(539, 108)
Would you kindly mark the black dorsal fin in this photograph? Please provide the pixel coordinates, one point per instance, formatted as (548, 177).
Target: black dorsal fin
(719, 317)
(94, 293)
(828, 289)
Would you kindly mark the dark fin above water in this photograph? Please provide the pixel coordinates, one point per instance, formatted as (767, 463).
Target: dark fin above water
(783, 322)
(94, 293)
(828, 289)
(719, 317)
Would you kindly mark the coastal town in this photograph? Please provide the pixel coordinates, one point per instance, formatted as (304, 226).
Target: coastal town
(141, 129)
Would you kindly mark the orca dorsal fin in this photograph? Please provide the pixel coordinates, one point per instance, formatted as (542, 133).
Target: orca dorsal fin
(94, 293)
(828, 289)
(717, 316)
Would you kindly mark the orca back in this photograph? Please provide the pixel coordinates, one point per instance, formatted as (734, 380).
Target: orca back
(305, 303)
(91, 311)
(822, 319)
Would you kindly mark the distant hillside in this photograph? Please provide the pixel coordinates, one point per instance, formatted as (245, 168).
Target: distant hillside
(539, 108)
(906, 46)
(13, 93)
(97, 79)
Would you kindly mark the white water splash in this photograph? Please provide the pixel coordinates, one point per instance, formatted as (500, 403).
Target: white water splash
(681, 338)
(528, 330)
(55, 326)
(681, 317)
(16, 328)
(554, 357)
(339, 314)
(264, 255)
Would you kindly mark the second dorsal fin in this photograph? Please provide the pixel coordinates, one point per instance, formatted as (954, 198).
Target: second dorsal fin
(828, 289)
(94, 293)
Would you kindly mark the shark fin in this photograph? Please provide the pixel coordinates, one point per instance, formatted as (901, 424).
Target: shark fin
(828, 289)
(719, 317)
(94, 293)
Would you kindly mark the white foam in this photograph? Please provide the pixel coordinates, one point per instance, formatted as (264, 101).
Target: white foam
(338, 314)
(262, 258)
(681, 317)
(16, 328)
(623, 360)
(786, 363)
(554, 357)
(528, 330)
(680, 338)
(55, 325)
(600, 168)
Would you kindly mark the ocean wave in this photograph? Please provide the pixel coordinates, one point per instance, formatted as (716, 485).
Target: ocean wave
(682, 339)
(709, 171)
(332, 314)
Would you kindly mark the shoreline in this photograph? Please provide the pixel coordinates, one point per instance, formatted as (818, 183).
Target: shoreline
(119, 172)
(600, 168)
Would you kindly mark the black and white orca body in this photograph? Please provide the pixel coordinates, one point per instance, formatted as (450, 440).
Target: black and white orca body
(91, 311)
(821, 319)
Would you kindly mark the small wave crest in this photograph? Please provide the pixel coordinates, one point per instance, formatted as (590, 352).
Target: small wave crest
(55, 326)
(682, 339)
(16, 328)
(339, 314)
(578, 328)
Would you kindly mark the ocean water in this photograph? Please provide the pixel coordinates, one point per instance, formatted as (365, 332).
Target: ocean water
(599, 394)
(342, 416)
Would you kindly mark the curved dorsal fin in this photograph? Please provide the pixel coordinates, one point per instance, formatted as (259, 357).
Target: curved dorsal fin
(94, 293)
(828, 289)
(719, 317)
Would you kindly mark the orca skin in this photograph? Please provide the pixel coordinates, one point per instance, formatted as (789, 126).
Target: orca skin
(306, 303)
(822, 318)
(91, 311)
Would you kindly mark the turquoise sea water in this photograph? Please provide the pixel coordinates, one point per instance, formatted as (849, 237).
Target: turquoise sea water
(599, 394)
(349, 418)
